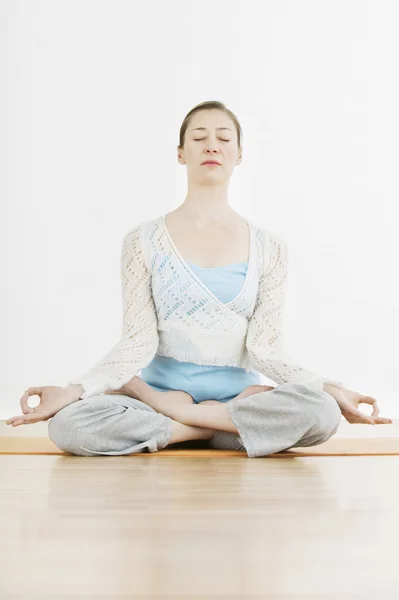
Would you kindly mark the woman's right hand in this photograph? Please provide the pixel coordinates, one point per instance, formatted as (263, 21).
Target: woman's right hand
(52, 399)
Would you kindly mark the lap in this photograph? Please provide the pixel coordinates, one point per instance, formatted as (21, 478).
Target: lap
(290, 414)
(101, 401)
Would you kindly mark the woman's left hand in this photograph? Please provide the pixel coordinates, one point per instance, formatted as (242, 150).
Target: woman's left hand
(348, 402)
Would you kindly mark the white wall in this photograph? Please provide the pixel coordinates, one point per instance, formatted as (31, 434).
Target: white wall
(92, 97)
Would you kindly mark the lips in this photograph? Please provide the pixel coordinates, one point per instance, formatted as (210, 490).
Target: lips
(211, 162)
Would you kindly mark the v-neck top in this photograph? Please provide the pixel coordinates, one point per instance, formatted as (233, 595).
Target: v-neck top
(204, 382)
(245, 291)
(226, 319)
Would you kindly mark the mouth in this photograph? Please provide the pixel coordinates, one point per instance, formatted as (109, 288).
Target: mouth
(211, 162)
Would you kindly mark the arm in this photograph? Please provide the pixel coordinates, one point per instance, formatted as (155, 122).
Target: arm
(265, 341)
(139, 340)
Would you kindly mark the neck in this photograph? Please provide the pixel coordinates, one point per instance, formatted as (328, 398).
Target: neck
(206, 204)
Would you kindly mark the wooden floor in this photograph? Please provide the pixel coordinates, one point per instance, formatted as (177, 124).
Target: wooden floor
(184, 528)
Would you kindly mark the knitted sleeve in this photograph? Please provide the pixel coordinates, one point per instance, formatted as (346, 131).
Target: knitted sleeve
(265, 337)
(139, 339)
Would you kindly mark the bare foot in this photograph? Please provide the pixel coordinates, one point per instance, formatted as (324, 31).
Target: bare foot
(248, 391)
(140, 389)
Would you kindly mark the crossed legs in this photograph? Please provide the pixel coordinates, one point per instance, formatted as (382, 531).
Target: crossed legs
(210, 415)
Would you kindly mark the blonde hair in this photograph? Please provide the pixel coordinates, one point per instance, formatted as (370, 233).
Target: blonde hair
(209, 105)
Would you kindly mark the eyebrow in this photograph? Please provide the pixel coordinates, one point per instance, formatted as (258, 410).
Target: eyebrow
(216, 128)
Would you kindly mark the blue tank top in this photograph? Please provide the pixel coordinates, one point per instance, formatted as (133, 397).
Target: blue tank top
(204, 382)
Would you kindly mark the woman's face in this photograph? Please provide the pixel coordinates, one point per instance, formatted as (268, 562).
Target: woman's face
(210, 135)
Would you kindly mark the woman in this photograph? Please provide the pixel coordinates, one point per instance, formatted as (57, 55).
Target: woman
(203, 296)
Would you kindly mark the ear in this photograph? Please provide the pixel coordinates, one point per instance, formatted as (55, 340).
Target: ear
(180, 157)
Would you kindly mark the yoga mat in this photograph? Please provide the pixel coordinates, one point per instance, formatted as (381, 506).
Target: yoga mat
(335, 446)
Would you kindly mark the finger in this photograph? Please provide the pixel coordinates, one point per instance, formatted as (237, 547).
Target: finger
(373, 402)
(356, 416)
(24, 419)
(382, 420)
(376, 409)
(359, 417)
(366, 420)
(17, 422)
(14, 419)
(24, 403)
(31, 391)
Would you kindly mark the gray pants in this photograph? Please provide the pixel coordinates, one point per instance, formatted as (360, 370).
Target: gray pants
(293, 414)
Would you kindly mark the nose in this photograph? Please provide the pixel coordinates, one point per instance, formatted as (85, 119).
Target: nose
(212, 145)
(212, 149)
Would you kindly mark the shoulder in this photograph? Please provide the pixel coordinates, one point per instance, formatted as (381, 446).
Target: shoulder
(138, 239)
(273, 250)
(142, 229)
(271, 241)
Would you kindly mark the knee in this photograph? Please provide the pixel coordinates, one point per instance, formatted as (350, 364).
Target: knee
(326, 416)
(107, 424)
(65, 428)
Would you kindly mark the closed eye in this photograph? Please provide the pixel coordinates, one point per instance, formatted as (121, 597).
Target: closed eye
(199, 139)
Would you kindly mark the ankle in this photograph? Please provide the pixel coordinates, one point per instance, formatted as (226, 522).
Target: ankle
(138, 386)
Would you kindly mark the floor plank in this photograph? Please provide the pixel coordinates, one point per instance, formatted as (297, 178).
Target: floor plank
(111, 527)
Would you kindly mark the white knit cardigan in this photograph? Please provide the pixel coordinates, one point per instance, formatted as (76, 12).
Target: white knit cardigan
(168, 310)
